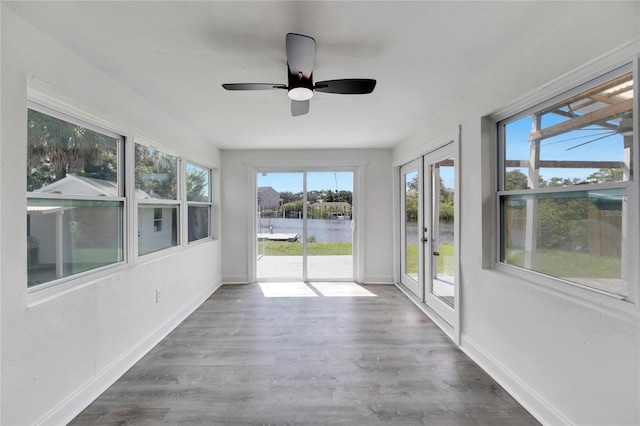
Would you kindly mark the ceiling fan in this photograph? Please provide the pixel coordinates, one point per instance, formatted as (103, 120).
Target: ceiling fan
(301, 56)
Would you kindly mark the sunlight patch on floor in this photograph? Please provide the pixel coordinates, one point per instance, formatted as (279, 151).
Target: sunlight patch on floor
(341, 289)
(287, 289)
(314, 289)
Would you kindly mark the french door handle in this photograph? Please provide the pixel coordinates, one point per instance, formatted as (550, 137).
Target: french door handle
(424, 240)
(435, 253)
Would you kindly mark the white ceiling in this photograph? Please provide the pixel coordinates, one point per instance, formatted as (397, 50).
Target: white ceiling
(434, 61)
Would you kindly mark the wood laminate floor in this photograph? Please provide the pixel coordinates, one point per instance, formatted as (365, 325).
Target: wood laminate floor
(245, 359)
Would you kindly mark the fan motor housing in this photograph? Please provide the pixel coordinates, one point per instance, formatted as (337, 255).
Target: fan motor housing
(300, 88)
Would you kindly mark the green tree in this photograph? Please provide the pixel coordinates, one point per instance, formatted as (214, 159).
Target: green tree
(290, 197)
(38, 177)
(291, 209)
(411, 200)
(156, 172)
(197, 184)
(515, 179)
(605, 175)
(56, 148)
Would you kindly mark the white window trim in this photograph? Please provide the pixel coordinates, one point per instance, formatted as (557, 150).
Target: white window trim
(188, 203)
(137, 202)
(625, 308)
(358, 168)
(44, 104)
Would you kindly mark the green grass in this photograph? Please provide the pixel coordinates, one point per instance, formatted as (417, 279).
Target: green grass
(445, 260)
(562, 263)
(279, 248)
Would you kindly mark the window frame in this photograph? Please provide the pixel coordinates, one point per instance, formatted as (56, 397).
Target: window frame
(61, 112)
(189, 203)
(176, 203)
(563, 88)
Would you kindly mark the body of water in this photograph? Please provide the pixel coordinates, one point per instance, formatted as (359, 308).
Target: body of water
(445, 231)
(338, 230)
(325, 230)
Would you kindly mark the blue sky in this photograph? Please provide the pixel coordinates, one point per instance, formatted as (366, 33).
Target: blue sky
(609, 148)
(316, 181)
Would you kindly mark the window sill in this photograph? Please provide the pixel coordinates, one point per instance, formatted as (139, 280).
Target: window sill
(50, 291)
(200, 241)
(609, 304)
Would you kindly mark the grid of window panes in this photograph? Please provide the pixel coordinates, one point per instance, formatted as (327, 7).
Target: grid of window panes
(75, 203)
(566, 167)
(156, 184)
(198, 202)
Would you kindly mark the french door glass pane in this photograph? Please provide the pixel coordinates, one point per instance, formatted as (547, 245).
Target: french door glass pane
(443, 230)
(411, 224)
(329, 230)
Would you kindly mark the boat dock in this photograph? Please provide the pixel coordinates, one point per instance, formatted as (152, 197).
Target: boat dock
(277, 237)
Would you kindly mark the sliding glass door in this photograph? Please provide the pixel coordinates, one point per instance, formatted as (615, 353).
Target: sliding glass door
(279, 225)
(304, 225)
(329, 253)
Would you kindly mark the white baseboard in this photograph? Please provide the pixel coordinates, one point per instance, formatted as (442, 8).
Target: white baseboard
(522, 393)
(235, 279)
(379, 279)
(79, 400)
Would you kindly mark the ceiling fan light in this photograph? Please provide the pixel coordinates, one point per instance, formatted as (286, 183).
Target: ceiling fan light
(300, 93)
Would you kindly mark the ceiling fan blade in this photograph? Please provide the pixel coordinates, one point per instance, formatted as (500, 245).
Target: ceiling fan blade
(253, 86)
(299, 108)
(346, 86)
(301, 54)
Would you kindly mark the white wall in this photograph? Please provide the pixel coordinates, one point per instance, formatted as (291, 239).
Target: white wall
(237, 191)
(59, 352)
(568, 359)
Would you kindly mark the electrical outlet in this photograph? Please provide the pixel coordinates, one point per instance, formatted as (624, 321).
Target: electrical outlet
(158, 294)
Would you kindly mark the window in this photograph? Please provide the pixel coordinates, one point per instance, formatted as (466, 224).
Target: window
(564, 185)
(75, 197)
(198, 202)
(156, 182)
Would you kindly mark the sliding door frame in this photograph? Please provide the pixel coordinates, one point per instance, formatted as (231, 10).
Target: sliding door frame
(358, 202)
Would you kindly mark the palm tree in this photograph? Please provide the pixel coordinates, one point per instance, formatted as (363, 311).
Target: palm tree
(62, 147)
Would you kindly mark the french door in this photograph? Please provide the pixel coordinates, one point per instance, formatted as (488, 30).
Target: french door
(428, 258)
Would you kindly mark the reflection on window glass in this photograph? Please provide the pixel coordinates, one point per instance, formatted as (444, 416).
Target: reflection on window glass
(151, 237)
(199, 222)
(199, 202)
(66, 237)
(586, 138)
(578, 236)
(66, 158)
(156, 174)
